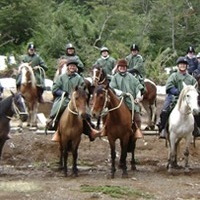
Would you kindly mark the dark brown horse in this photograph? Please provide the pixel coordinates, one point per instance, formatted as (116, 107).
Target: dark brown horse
(70, 128)
(12, 105)
(149, 98)
(28, 89)
(117, 124)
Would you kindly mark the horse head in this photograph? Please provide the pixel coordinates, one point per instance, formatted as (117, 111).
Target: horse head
(19, 107)
(99, 75)
(27, 74)
(78, 102)
(100, 101)
(189, 98)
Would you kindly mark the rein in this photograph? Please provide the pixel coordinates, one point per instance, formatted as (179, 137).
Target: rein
(73, 112)
(105, 110)
(16, 111)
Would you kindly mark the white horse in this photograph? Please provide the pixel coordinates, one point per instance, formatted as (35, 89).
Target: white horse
(181, 124)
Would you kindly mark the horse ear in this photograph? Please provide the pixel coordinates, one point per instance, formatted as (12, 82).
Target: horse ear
(196, 85)
(76, 88)
(184, 85)
(12, 92)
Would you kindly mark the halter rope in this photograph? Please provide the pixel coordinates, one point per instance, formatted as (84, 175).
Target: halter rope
(105, 110)
(16, 111)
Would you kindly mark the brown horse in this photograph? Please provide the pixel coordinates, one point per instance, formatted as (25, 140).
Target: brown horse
(117, 124)
(99, 76)
(70, 128)
(29, 91)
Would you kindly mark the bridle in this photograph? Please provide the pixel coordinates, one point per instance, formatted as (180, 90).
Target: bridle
(97, 78)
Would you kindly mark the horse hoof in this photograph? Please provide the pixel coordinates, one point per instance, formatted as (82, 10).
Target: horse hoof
(110, 176)
(125, 175)
(187, 170)
(133, 167)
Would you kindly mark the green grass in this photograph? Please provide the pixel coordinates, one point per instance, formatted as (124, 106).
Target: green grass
(117, 191)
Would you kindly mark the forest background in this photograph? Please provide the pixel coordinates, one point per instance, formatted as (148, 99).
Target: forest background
(163, 29)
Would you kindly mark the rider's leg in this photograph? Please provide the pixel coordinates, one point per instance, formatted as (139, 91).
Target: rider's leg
(40, 91)
(164, 115)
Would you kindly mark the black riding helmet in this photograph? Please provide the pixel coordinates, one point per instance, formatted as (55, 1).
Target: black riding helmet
(31, 46)
(182, 59)
(134, 47)
(191, 49)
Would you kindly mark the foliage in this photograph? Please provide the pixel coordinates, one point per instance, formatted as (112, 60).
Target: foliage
(163, 29)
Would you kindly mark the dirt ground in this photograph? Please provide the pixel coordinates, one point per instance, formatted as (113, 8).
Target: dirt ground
(29, 170)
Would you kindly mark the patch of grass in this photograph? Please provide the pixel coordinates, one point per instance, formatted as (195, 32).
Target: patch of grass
(20, 186)
(117, 191)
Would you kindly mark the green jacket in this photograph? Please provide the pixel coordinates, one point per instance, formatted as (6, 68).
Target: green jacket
(35, 60)
(136, 62)
(80, 63)
(107, 64)
(176, 80)
(129, 84)
(64, 83)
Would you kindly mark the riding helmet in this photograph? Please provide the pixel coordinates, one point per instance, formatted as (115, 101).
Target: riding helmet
(134, 47)
(72, 61)
(104, 49)
(182, 60)
(31, 46)
(191, 49)
(122, 62)
(69, 46)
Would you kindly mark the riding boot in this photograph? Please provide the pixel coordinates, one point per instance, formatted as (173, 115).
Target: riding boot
(56, 137)
(40, 91)
(196, 131)
(161, 125)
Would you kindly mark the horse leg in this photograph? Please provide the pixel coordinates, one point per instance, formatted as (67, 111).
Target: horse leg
(2, 142)
(61, 158)
(171, 157)
(113, 156)
(74, 168)
(133, 162)
(186, 153)
(65, 156)
(122, 161)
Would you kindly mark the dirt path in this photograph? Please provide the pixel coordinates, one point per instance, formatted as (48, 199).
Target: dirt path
(29, 170)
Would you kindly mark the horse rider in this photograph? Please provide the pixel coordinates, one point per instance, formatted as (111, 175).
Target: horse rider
(136, 64)
(39, 68)
(70, 53)
(196, 72)
(106, 61)
(1, 91)
(61, 89)
(174, 85)
(191, 59)
(124, 84)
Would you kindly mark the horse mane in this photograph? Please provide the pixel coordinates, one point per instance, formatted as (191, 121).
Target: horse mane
(184, 91)
(30, 69)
